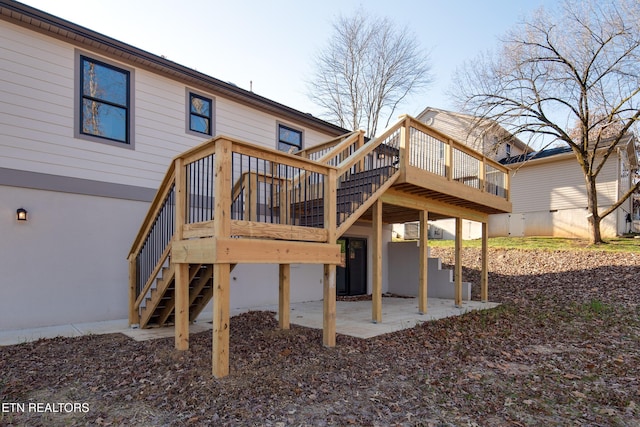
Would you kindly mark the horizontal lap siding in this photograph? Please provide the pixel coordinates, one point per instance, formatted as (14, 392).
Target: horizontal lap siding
(37, 121)
(559, 185)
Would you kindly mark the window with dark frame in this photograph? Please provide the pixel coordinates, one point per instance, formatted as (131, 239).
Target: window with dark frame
(289, 138)
(105, 102)
(200, 114)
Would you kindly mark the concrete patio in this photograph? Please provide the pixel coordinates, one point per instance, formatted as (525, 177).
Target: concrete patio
(352, 318)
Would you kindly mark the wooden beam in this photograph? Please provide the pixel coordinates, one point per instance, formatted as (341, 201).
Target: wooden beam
(412, 201)
(214, 250)
(220, 340)
(424, 263)
(329, 306)
(182, 307)
(431, 181)
(484, 275)
(278, 231)
(376, 293)
(284, 295)
(458, 262)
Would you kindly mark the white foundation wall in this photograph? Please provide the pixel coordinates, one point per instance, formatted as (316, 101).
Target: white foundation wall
(570, 223)
(67, 263)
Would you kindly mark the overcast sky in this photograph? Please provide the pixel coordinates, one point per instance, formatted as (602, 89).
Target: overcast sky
(273, 43)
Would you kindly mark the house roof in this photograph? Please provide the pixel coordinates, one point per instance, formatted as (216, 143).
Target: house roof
(51, 25)
(469, 120)
(627, 143)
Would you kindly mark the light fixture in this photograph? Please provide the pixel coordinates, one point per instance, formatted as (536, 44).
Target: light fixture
(21, 214)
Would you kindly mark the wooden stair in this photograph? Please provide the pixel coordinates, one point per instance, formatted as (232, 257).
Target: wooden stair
(159, 308)
(351, 193)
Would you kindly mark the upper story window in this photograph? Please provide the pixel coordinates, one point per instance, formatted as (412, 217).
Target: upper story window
(200, 114)
(105, 110)
(508, 148)
(289, 139)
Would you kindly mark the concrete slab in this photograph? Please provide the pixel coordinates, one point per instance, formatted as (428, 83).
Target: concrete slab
(352, 318)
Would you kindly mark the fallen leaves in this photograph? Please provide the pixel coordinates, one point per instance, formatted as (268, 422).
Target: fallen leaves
(562, 349)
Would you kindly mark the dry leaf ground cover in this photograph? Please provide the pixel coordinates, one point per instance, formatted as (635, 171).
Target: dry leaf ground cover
(563, 349)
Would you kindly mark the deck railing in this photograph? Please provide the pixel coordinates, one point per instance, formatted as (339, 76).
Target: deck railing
(265, 193)
(430, 151)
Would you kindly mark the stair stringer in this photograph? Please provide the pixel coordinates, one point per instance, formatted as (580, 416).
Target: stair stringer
(156, 294)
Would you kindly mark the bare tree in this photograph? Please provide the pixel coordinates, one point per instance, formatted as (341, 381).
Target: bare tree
(580, 65)
(367, 69)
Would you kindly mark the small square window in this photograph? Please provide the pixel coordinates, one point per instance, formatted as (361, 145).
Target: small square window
(200, 114)
(104, 101)
(289, 139)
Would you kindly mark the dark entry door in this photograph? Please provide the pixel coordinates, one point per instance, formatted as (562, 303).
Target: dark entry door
(351, 277)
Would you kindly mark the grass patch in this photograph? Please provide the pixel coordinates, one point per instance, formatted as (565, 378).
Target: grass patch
(546, 243)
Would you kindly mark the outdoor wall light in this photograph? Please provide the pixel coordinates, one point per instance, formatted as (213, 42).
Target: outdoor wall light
(21, 214)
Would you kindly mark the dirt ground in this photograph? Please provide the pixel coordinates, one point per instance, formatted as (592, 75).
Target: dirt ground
(563, 349)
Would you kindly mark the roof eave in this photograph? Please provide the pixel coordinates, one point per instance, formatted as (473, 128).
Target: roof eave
(51, 25)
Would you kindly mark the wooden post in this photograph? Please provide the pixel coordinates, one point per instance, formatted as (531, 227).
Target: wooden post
(376, 294)
(329, 306)
(404, 151)
(221, 272)
(484, 275)
(283, 300)
(329, 277)
(458, 261)
(481, 174)
(424, 263)
(182, 307)
(220, 347)
(182, 270)
(448, 160)
(134, 313)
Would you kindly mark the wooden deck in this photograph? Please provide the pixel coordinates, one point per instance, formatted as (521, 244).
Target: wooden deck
(227, 202)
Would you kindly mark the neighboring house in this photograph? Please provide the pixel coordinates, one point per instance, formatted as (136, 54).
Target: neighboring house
(549, 194)
(131, 186)
(484, 136)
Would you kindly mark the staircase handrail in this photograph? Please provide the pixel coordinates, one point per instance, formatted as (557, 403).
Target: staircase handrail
(307, 152)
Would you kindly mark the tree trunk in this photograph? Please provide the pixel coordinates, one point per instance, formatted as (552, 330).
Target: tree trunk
(594, 216)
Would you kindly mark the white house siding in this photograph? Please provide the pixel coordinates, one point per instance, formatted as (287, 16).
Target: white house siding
(86, 200)
(37, 125)
(549, 199)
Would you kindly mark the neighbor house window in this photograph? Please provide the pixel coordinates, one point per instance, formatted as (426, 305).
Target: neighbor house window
(289, 139)
(508, 150)
(105, 110)
(200, 114)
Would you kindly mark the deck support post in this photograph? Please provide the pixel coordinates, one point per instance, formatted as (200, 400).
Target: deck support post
(284, 295)
(329, 306)
(484, 275)
(329, 276)
(182, 307)
(424, 263)
(376, 294)
(182, 270)
(134, 313)
(220, 341)
(458, 262)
